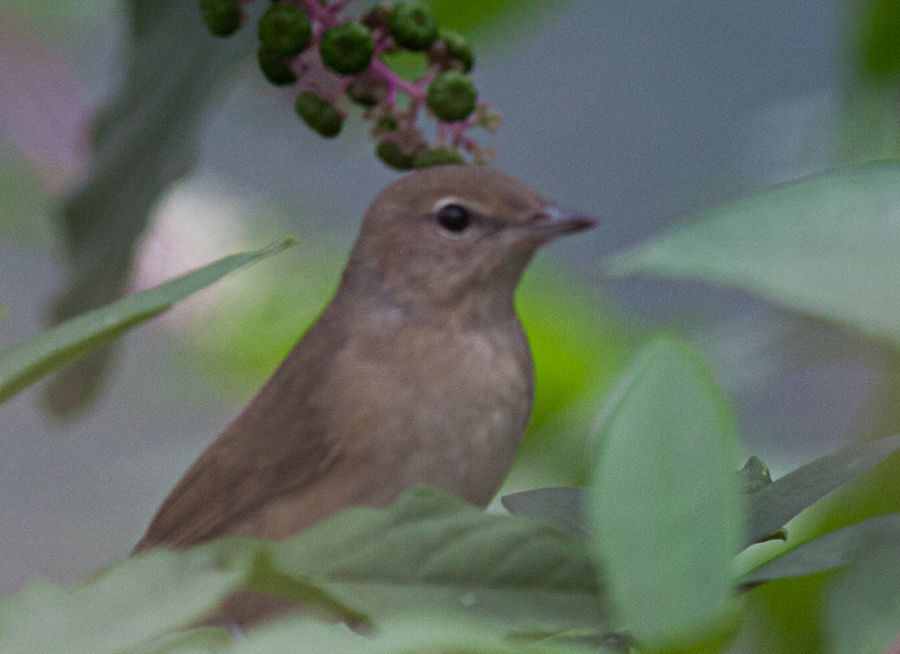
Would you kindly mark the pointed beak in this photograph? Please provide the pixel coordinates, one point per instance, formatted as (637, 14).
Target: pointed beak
(554, 221)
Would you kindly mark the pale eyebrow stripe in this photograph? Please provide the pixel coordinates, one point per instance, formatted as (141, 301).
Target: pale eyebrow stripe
(469, 204)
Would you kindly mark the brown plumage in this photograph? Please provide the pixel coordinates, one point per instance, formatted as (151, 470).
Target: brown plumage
(418, 371)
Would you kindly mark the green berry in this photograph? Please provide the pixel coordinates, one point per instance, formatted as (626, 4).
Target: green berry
(394, 156)
(284, 30)
(413, 26)
(387, 123)
(347, 49)
(457, 48)
(437, 157)
(452, 96)
(320, 115)
(222, 17)
(275, 69)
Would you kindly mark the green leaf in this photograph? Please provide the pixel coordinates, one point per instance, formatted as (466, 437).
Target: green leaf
(665, 507)
(825, 245)
(430, 549)
(863, 605)
(26, 362)
(835, 549)
(418, 632)
(142, 142)
(127, 604)
(490, 18)
(563, 507)
(777, 503)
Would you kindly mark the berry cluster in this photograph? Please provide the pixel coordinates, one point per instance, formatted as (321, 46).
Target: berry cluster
(304, 42)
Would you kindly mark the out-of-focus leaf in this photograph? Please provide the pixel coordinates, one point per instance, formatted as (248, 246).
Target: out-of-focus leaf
(835, 549)
(125, 605)
(492, 18)
(666, 512)
(863, 605)
(432, 549)
(26, 362)
(777, 503)
(142, 142)
(563, 507)
(880, 40)
(825, 245)
(419, 631)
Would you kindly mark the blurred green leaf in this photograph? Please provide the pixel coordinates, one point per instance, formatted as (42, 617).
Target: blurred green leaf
(880, 47)
(835, 549)
(142, 142)
(490, 18)
(863, 605)
(563, 507)
(418, 632)
(431, 549)
(26, 362)
(777, 503)
(825, 245)
(127, 604)
(665, 507)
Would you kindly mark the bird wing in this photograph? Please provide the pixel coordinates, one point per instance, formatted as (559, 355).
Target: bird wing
(279, 445)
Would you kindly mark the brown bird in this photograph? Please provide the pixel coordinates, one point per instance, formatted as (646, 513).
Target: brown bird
(417, 372)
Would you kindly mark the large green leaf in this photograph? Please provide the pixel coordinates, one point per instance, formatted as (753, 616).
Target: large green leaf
(665, 507)
(864, 603)
(144, 140)
(835, 549)
(418, 632)
(775, 504)
(26, 362)
(826, 245)
(128, 604)
(430, 549)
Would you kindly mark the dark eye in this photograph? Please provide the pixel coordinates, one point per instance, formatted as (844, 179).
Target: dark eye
(454, 218)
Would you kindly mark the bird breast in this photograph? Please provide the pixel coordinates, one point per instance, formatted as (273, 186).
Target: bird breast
(422, 403)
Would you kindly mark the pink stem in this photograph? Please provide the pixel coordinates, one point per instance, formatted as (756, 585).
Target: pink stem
(318, 13)
(394, 80)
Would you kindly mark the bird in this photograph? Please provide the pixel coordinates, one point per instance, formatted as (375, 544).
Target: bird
(418, 371)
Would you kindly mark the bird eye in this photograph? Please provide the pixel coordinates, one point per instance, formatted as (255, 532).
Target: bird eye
(454, 218)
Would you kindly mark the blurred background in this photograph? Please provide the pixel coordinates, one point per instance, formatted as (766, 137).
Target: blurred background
(638, 112)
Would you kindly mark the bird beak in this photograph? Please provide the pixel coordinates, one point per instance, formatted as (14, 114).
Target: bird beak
(553, 221)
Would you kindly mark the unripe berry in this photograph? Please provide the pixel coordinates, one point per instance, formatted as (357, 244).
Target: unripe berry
(394, 156)
(457, 48)
(222, 17)
(275, 69)
(347, 49)
(413, 26)
(320, 115)
(452, 96)
(437, 157)
(284, 30)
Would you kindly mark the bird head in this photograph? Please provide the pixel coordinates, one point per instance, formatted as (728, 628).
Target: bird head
(454, 238)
